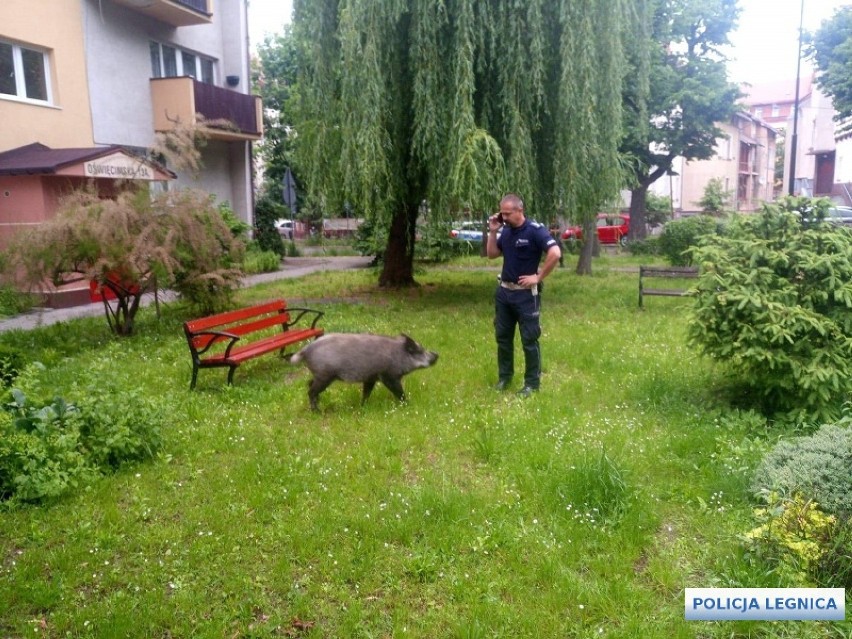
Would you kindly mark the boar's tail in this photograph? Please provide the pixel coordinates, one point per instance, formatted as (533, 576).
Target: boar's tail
(296, 358)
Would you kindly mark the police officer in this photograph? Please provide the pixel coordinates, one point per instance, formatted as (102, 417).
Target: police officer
(522, 242)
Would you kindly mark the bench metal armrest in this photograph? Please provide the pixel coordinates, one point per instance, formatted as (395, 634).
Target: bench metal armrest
(301, 313)
(230, 336)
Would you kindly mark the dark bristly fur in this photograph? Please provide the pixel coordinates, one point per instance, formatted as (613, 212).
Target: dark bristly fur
(362, 358)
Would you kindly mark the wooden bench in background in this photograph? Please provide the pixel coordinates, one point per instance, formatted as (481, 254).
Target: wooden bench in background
(664, 272)
(231, 338)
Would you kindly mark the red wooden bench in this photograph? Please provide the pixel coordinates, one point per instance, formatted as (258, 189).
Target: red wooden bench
(231, 338)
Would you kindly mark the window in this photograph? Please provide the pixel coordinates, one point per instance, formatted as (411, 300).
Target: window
(24, 73)
(776, 110)
(170, 62)
(758, 112)
(189, 63)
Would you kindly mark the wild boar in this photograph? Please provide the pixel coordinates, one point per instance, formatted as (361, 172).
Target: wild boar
(362, 358)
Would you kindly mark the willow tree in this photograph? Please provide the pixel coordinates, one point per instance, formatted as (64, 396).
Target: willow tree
(450, 103)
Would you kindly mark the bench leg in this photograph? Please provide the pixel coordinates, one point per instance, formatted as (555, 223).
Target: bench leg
(231, 370)
(194, 377)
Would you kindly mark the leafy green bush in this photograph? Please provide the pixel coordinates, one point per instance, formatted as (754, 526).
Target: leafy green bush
(118, 427)
(716, 198)
(774, 299)
(50, 448)
(258, 261)
(658, 209)
(14, 302)
(681, 235)
(371, 238)
(266, 212)
(12, 360)
(41, 455)
(817, 466)
(238, 228)
(647, 246)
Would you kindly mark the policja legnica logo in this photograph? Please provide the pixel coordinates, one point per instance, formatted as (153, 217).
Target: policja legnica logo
(765, 604)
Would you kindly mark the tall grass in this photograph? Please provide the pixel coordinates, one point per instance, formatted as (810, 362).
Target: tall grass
(583, 511)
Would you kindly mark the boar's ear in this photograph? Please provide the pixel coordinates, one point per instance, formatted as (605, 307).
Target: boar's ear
(410, 345)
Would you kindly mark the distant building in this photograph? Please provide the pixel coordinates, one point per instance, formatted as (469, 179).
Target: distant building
(744, 161)
(823, 157)
(85, 86)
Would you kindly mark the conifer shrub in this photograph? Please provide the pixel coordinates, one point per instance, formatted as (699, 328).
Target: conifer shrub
(806, 483)
(817, 466)
(774, 301)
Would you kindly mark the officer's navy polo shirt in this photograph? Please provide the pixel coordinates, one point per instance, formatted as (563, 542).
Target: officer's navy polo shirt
(522, 249)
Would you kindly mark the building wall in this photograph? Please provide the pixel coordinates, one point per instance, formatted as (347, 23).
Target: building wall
(119, 70)
(843, 164)
(55, 26)
(687, 186)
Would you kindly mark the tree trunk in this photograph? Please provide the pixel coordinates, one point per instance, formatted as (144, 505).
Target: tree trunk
(398, 270)
(588, 248)
(638, 227)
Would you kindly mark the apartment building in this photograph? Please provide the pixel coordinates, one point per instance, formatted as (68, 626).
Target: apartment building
(823, 154)
(85, 86)
(744, 161)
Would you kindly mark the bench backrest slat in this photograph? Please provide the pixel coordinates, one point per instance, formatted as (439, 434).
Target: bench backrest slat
(229, 317)
(668, 271)
(234, 322)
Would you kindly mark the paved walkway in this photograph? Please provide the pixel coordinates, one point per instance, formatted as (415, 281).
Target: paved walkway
(290, 268)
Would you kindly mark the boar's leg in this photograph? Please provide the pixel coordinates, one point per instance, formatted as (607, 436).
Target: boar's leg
(394, 385)
(317, 385)
(369, 385)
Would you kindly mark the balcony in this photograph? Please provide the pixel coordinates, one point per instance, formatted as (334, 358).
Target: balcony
(178, 13)
(227, 115)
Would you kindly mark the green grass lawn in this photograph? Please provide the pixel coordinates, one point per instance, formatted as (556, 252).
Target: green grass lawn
(583, 511)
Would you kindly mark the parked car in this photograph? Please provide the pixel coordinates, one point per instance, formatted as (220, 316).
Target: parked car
(840, 215)
(468, 231)
(612, 229)
(286, 228)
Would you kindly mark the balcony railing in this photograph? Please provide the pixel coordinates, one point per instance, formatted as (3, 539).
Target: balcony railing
(178, 13)
(227, 115)
(198, 5)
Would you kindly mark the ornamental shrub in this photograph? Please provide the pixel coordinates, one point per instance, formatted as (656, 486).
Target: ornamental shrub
(774, 300)
(680, 236)
(48, 448)
(795, 529)
(131, 244)
(818, 466)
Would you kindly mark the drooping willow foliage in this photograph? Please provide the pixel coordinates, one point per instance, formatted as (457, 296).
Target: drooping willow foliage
(455, 102)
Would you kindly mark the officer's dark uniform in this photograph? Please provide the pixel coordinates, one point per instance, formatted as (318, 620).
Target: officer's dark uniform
(522, 249)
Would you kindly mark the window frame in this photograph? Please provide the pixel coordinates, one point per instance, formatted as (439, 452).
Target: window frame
(19, 69)
(180, 55)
